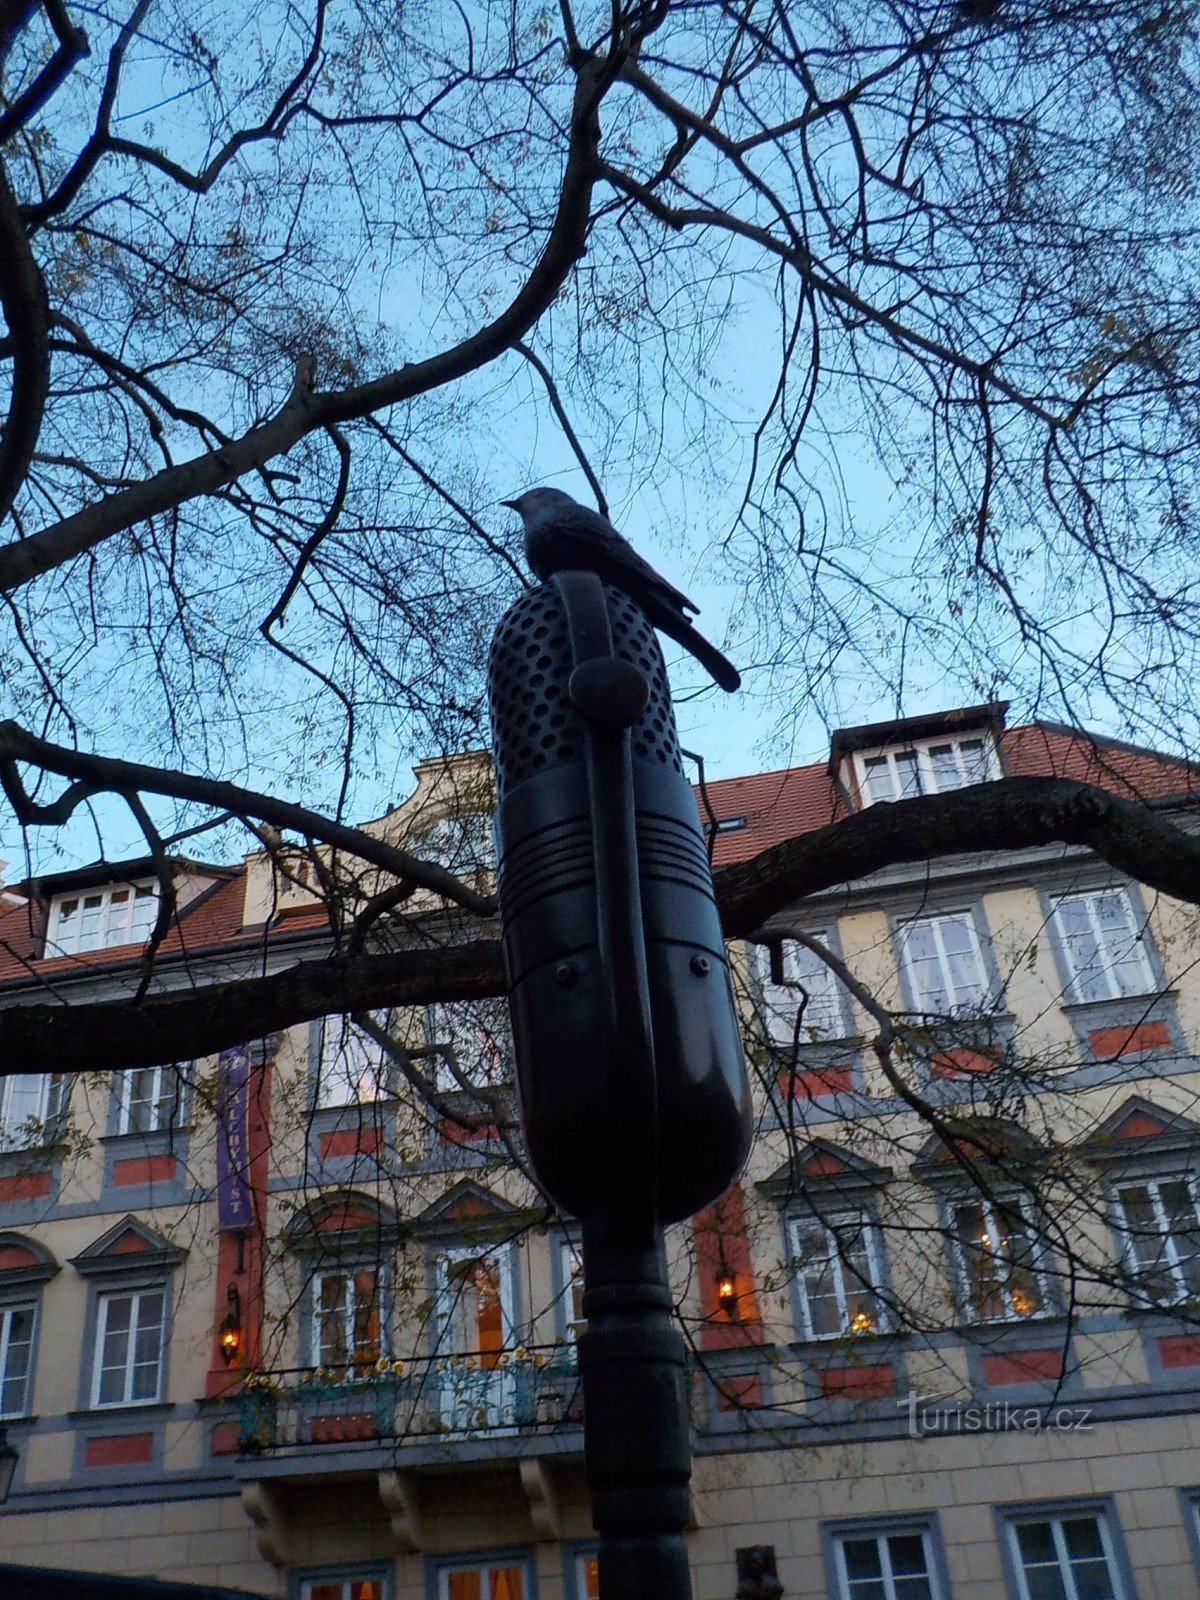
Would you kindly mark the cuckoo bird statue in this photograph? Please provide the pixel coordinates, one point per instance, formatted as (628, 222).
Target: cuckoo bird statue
(561, 535)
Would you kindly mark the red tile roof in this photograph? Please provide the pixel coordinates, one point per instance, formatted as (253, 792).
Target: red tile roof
(214, 917)
(778, 805)
(20, 937)
(1042, 749)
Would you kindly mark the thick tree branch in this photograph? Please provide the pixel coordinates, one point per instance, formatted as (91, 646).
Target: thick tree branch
(72, 47)
(1011, 814)
(26, 314)
(206, 1020)
(13, 17)
(1015, 813)
(305, 411)
(92, 774)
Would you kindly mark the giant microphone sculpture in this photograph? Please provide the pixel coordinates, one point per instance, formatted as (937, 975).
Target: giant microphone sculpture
(561, 535)
(634, 1096)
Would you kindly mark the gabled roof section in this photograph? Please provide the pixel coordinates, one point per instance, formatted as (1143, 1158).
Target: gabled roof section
(339, 1217)
(212, 918)
(779, 805)
(903, 730)
(24, 1261)
(96, 872)
(989, 1144)
(127, 1246)
(776, 806)
(758, 811)
(822, 1166)
(1139, 1128)
(467, 1203)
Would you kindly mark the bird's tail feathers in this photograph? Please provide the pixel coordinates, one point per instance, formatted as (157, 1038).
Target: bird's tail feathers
(719, 667)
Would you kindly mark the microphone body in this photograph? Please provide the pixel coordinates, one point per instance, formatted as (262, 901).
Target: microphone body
(584, 1114)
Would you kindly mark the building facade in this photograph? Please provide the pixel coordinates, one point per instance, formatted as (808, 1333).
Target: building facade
(295, 1321)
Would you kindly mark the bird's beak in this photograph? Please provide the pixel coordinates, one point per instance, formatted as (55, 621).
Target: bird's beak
(513, 503)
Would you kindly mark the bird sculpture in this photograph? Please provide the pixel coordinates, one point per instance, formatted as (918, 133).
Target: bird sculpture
(561, 535)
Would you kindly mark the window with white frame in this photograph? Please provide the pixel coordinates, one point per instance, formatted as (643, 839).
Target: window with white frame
(499, 1579)
(944, 964)
(810, 994)
(1159, 1223)
(725, 825)
(16, 1357)
(347, 1321)
(1067, 1557)
(130, 1325)
(1000, 1260)
(471, 1045)
(343, 1586)
(98, 919)
(886, 1566)
(476, 1309)
(32, 1108)
(148, 1099)
(587, 1575)
(837, 1265)
(570, 1263)
(1102, 946)
(353, 1068)
(928, 766)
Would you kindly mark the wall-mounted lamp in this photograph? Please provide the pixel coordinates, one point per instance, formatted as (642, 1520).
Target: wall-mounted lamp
(727, 1295)
(229, 1335)
(8, 1463)
(756, 1573)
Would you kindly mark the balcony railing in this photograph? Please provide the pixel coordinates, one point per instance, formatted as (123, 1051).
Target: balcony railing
(442, 1396)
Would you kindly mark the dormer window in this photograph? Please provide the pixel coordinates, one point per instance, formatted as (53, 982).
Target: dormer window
(101, 918)
(927, 766)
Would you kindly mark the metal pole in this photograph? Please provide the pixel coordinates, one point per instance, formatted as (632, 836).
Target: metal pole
(636, 1439)
(637, 1446)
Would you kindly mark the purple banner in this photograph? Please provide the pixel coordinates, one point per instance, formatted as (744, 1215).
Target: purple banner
(235, 1208)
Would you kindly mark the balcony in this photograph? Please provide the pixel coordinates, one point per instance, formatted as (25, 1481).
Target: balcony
(306, 1435)
(461, 1398)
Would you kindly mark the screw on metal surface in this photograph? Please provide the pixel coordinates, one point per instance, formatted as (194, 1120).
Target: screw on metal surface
(609, 689)
(700, 966)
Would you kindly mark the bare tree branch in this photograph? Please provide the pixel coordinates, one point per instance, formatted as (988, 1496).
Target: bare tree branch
(92, 774)
(1015, 813)
(560, 411)
(72, 47)
(26, 314)
(305, 410)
